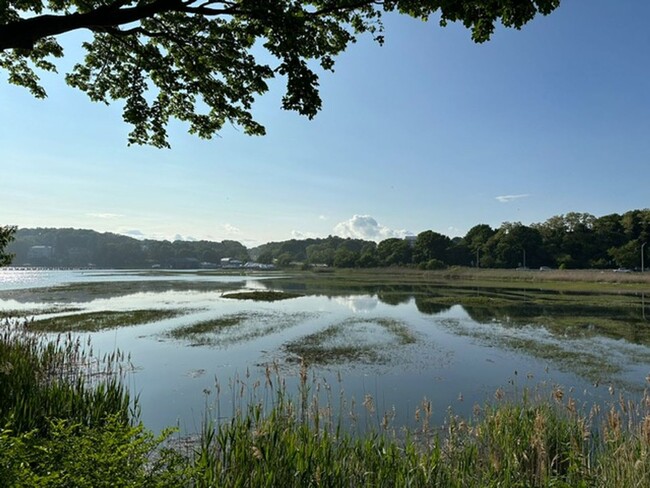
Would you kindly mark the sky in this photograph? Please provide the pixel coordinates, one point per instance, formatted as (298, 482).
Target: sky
(428, 132)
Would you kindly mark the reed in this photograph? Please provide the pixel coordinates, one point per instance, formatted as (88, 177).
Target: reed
(43, 379)
(296, 442)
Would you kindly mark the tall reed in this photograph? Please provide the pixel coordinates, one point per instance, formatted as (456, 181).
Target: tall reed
(295, 441)
(42, 379)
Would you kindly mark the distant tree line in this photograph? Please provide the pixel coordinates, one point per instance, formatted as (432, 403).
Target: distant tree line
(574, 240)
(82, 248)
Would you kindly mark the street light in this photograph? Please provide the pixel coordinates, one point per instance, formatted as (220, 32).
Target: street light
(642, 246)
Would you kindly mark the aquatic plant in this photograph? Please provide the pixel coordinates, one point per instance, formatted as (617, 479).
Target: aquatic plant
(261, 296)
(96, 321)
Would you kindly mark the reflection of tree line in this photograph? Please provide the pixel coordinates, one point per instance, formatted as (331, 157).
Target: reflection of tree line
(568, 320)
(508, 307)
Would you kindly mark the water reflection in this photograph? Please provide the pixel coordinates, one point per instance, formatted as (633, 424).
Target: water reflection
(398, 343)
(359, 303)
(429, 307)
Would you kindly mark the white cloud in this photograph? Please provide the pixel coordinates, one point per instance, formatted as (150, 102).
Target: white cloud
(322, 217)
(105, 215)
(366, 227)
(179, 237)
(296, 234)
(510, 198)
(135, 233)
(231, 230)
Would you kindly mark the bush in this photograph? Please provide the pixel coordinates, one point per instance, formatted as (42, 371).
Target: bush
(74, 455)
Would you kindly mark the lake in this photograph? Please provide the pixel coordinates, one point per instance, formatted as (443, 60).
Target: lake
(454, 344)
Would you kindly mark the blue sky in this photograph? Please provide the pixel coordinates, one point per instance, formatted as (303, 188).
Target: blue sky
(430, 131)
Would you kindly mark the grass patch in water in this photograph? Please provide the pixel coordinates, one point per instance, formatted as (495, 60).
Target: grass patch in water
(96, 321)
(597, 362)
(208, 326)
(262, 296)
(13, 314)
(353, 340)
(236, 328)
(87, 292)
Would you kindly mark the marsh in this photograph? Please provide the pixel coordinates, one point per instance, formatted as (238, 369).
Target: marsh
(193, 335)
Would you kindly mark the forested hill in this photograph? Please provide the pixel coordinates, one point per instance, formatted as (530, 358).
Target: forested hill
(574, 240)
(83, 248)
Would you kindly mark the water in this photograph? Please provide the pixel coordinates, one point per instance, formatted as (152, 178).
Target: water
(390, 342)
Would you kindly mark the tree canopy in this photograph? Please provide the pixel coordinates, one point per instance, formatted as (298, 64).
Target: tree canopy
(204, 61)
(573, 240)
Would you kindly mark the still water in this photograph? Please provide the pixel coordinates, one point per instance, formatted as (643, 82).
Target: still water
(397, 344)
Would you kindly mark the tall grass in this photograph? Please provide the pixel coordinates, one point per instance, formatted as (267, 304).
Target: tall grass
(67, 420)
(43, 379)
(296, 442)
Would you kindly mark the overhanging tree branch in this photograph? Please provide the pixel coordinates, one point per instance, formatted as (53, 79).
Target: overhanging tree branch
(24, 34)
(198, 60)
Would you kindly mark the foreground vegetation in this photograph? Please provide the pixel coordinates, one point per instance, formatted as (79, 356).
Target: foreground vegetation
(66, 419)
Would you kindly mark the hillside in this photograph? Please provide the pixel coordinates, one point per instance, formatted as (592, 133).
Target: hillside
(87, 248)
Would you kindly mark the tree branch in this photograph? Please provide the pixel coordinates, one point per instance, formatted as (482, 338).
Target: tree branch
(23, 34)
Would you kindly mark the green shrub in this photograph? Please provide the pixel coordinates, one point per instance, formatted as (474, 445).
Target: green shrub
(74, 455)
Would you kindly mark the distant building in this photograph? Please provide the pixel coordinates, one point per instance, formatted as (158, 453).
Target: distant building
(254, 265)
(231, 263)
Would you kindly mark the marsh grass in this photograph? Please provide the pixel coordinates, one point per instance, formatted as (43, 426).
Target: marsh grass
(353, 340)
(597, 361)
(261, 296)
(43, 379)
(96, 321)
(209, 326)
(236, 328)
(8, 314)
(298, 440)
(396, 279)
(205, 333)
(83, 292)
(67, 418)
